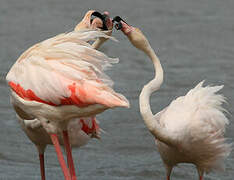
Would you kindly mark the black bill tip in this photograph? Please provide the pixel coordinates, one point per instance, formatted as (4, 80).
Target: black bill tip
(118, 25)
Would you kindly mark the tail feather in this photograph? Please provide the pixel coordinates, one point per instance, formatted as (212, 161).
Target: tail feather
(208, 104)
(209, 143)
(212, 152)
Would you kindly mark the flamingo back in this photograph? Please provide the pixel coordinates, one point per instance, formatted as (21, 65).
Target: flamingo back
(65, 70)
(197, 122)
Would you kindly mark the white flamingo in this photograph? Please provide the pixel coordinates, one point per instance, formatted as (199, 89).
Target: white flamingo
(191, 128)
(61, 79)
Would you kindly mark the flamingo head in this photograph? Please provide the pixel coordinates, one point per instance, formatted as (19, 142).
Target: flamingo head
(134, 34)
(95, 20)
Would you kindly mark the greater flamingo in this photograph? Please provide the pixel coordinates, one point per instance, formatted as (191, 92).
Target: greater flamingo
(79, 130)
(61, 79)
(191, 129)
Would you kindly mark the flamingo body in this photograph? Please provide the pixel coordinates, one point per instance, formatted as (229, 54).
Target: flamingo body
(65, 70)
(80, 132)
(62, 78)
(197, 123)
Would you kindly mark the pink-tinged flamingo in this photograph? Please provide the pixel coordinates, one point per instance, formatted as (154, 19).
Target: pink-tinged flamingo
(191, 129)
(79, 130)
(61, 79)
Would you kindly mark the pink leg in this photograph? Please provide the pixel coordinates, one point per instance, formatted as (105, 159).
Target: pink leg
(62, 162)
(168, 169)
(42, 166)
(69, 155)
(200, 173)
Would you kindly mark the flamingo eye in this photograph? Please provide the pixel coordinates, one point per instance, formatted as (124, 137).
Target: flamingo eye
(118, 26)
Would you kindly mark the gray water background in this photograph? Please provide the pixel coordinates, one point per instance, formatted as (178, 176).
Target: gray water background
(194, 41)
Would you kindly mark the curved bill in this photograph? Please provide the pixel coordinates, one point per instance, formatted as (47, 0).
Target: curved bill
(103, 17)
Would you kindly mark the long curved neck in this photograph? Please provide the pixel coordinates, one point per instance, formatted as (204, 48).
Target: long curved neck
(101, 40)
(97, 44)
(152, 124)
(149, 88)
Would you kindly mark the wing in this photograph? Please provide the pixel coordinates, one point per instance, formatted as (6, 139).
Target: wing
(198, 114)
(65, 70)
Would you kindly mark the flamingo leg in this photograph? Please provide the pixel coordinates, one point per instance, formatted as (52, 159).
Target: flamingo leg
(168, 170)
(69, 155)
(62, 162)
(200, 173)
(42, 166)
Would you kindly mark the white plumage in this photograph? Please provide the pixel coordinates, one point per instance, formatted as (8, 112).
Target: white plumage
(191, 129)
(196, 122)
(49, 67)
(38, 135)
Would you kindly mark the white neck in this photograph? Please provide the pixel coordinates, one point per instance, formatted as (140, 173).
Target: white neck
(98, 42)
(144, 100)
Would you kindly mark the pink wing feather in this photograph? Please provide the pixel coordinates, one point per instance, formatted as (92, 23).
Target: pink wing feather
(65, 70)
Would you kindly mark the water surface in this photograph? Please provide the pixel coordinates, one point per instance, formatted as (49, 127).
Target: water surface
(194, 41)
